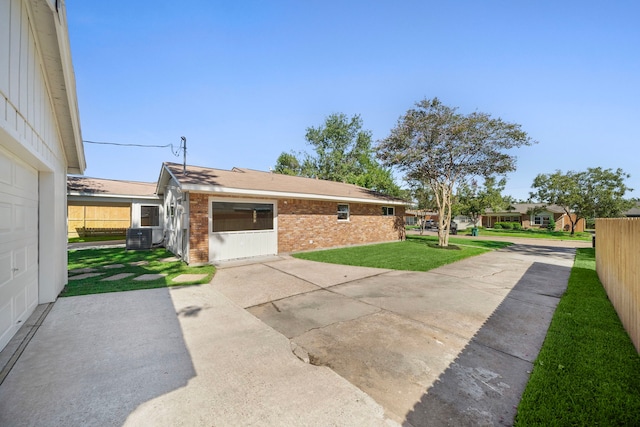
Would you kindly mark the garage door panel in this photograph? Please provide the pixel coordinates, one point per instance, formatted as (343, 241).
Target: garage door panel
(18, 244)
(5, 268)
(6, 169)
(6, 324)
(5, 218)
(32, 256)
(20, 303)
(20, 262)
(26, 182)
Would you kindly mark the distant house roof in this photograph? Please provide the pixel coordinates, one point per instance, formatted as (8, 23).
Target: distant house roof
(523, 208)
(248, 182)
(419, 212)
(85, 186)
(633, 212)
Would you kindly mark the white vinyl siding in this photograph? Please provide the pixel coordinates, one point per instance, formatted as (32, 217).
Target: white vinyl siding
(34, 161)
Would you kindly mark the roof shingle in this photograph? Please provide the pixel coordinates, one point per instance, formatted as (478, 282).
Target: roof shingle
(253, 180)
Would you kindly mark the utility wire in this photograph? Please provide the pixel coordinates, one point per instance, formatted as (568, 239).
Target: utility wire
(128, 145)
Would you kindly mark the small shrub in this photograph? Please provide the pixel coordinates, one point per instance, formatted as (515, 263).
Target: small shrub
(497, 226)
(552, 225)
(505, 225)
(516, 226)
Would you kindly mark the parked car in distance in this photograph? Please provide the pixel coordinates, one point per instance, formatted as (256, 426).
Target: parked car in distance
(430, 224)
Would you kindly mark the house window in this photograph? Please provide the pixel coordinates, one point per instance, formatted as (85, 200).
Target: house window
(343, 212)
(230, 216)
(388, 211)
(149, 216)
(542, 220)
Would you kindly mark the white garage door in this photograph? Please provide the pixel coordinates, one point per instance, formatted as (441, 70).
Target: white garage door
(18, 244)
(242, 229)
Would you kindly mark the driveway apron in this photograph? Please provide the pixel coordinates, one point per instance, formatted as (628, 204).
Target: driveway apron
(452, 346)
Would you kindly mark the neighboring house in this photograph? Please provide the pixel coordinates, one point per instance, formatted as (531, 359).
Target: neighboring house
(415, 217)
(40, 143)
(106, 206)
(214, 215)
(633, 212)
(522, 213)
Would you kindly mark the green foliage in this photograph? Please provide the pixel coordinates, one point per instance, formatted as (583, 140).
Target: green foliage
(288, 164)
(552, 224)
(342, 153)
(538, 233)
(588, 371)
(594, 193)
(504, 225)
(497, 226)
(435, 145)
(516, 226)
(473, 201)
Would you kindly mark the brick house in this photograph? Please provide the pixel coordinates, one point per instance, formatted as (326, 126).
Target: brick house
(530, 216)
(215, 215)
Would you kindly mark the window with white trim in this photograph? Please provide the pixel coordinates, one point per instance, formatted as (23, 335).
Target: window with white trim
(242, 216)
(388, 211)
(542, 220)
(343, 212)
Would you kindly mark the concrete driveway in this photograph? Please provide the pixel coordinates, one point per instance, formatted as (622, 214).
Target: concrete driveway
(453, 346)
(478, 323)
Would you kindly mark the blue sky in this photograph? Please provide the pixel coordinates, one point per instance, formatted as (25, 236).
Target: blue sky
(242, 80)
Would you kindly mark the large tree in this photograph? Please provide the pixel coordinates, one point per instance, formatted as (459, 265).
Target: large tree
(442, 148)
(594, 193)
(472, 200)
(342, 152)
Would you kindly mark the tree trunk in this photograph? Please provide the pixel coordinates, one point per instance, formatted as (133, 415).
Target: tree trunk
(443, 200)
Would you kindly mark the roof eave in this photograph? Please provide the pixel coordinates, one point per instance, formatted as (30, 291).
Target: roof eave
(60, 77)
(226, 191)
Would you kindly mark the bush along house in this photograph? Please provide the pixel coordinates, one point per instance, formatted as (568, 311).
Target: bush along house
(215, 215)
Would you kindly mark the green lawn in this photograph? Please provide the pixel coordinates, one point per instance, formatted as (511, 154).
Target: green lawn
(99, 258)
(588, 371)
(535, 234)
(95, 239)
(417, 253)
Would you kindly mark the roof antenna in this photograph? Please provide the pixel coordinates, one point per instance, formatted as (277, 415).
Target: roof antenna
(183, 145)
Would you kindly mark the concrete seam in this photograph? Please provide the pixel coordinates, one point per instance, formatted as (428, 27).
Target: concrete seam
(27, 339)
(327, 287)
(475, 340)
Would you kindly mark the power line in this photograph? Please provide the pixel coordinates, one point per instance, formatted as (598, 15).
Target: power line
(128, 145)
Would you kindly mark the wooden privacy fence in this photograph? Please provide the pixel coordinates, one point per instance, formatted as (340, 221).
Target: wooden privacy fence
(97, 219)
(618, 265)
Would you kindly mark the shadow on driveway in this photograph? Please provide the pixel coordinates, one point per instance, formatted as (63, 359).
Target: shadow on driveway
(96, 358)
(484, 384)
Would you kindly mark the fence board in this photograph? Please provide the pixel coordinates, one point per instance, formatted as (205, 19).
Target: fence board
(97, 217)
(617, 264)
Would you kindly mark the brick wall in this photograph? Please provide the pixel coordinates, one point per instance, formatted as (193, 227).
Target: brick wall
(198, 228)
(307, 224)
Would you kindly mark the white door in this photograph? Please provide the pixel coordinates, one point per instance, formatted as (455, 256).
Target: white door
(18, 244)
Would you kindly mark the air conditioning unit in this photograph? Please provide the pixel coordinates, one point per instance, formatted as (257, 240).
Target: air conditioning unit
(138, 238)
